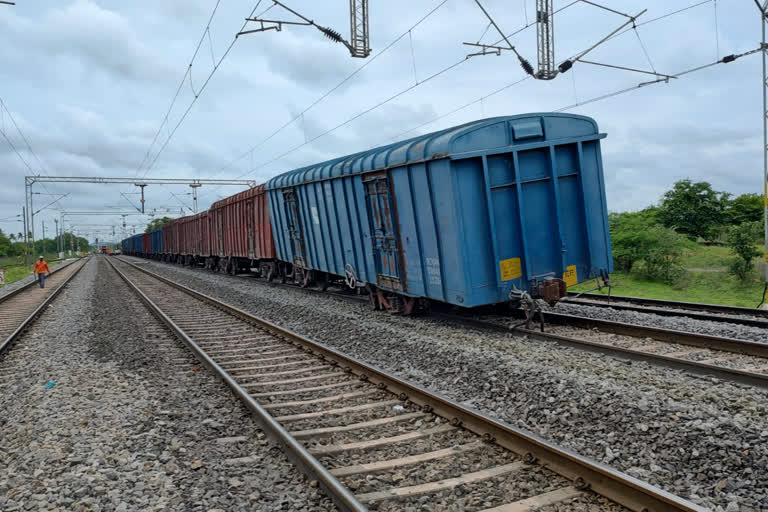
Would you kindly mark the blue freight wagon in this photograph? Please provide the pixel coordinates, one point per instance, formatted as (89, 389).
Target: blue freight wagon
(132, 245)
(483, 213)
(156, 242)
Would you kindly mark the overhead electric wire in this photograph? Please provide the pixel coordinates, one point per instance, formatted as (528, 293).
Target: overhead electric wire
(197, 96)
(452, 66)
(178, 89)
(333, 89)
(357, 116)
(353, 118)
(592, 100)
(41, 171)
(390, 45)
(724, 60)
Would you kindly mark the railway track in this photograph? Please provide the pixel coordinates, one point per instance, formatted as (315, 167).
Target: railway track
(371, 439)
(19, 308)
(696, 310)
(730, 359)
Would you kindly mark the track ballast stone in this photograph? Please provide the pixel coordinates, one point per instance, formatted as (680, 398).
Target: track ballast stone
(129, 421)
(700, 438)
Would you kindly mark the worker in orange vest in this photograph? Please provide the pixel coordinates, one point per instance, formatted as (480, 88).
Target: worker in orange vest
(41, 269)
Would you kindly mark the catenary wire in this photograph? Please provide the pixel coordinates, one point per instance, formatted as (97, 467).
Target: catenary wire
(194, 100)
(178, 89)
(333, 89)
(357, 116)
(250, 151)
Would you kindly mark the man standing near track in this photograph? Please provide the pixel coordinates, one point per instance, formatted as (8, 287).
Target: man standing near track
(41, 269)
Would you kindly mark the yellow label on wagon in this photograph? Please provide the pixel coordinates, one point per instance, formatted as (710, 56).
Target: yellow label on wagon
(766, 258)
(570, 277)
(510, 269)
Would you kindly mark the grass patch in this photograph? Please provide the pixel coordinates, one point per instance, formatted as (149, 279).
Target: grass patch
(708, 257)
(17, 272)
(705, 287)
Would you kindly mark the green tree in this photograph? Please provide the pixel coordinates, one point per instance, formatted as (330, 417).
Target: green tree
(694, 209)
(5, 244)
(742, 240)
(745, 208)
(630, 236)
(157, 224)
(661, 258)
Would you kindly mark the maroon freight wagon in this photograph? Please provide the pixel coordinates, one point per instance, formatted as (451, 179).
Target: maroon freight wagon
(171, 241)
(194, 242)
(146, 244)
(241, 234)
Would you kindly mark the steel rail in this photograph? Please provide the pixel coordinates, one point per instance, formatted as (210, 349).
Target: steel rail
(584, 473)
(694, 306)
(721, 343)
(653, 310)
(6, 344)
(695, 367)
(307, 463)
(681, 337)
(31, 283)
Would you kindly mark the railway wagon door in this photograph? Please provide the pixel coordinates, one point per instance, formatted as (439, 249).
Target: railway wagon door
(386, 250)
(250, 216)
(294, 227)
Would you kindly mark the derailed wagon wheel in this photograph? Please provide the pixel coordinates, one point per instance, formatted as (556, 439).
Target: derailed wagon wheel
(307, 280)
(372, 297)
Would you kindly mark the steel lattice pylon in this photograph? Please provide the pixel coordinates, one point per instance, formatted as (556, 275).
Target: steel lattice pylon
(764, 44)
(359, 36)
(545, 32)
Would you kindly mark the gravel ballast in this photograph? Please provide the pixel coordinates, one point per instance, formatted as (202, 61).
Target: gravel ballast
(701, 438)
(103, 410)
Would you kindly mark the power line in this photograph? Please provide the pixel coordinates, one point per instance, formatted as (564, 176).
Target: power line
(335, 87)
(196, 97)
(357, 116)
(250, 151)
(726, 59)
(178, 89)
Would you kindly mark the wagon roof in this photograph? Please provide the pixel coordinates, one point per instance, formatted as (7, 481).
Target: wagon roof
(245, 194)
(497, 132)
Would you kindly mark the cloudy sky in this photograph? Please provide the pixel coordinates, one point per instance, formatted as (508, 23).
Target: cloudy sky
(89, 83)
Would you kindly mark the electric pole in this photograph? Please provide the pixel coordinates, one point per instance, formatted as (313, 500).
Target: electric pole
(56, 221)
(545, 34)
(764, 80)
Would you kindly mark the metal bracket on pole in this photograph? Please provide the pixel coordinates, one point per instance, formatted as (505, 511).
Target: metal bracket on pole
(360, 45)
(141, 185)
(194, 187)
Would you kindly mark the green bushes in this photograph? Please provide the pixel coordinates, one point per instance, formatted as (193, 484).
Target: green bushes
(742, 240)
(642, 244)
(651, 242)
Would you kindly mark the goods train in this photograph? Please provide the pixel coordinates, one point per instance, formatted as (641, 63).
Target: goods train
(492, 211)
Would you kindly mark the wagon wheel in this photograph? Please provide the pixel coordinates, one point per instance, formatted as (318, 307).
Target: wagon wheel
(372, 298)
(307, 280)
(324, 282)
(232, 268)
(270, 272)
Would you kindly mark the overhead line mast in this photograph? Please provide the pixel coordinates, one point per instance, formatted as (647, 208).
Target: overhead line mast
(764, 46)
(545, 34)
